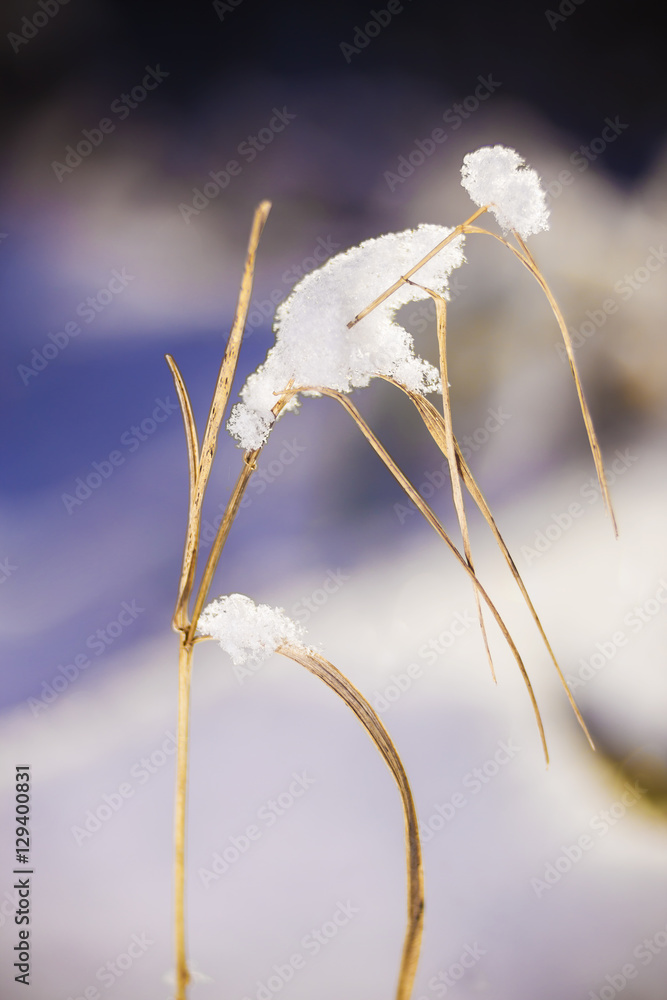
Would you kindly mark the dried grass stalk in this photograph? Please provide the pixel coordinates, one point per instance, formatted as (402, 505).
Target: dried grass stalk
(450, 452)
(430, 516)
(199, 468)
(371, 722)
(435, 425)
(527, 260)
(216, 413)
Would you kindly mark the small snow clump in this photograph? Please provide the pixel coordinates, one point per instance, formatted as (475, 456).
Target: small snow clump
(496, 176)
(314, 346)
(248, 631)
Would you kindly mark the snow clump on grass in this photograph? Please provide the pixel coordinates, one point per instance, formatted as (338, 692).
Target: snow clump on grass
(314, 346)
(496, 176)
(248, 631)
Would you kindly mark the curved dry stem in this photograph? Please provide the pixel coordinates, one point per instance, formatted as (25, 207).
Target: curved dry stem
(528, 262)
(430, 516)
(179, 621)
(450, 452)
(369, 719)
(434, 424)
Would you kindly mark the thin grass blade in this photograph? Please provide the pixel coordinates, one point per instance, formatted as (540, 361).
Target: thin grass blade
(530, 264)
(369, 719)
(193, 466)
(434, 424)
(218, 405)
(430, 516)
(450, 453)
(231, 510)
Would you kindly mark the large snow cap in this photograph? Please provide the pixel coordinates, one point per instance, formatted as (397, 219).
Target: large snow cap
(314, 346)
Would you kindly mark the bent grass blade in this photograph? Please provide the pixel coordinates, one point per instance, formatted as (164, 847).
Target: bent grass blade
(369, 719)
(450, 453)
(430, 516)
(191, 439)
(217, 410)
(528, 262)
(434, 424)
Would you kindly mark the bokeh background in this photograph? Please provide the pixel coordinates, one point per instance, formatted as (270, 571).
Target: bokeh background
(516, 906)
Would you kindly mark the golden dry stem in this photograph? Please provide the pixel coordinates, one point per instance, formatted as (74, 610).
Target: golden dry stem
(430, 516)
(371, 722)
(450, 453)
(184, 674)
(199, 469)
(203, 462)
(527, 260)
(435, 425)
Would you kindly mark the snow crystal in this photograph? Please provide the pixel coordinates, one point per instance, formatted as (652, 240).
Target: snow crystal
(248, 631)
(496, 176)
(313, 345)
